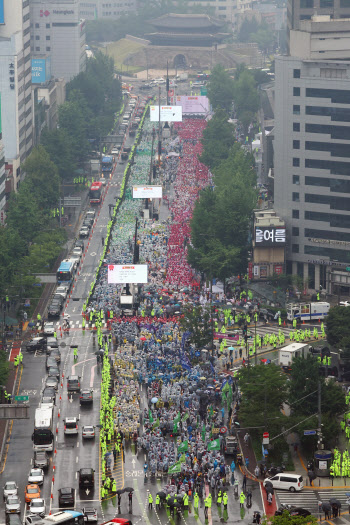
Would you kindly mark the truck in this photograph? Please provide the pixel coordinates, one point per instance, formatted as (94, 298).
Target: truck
(183, 77)
(290, 352)
(128, 299)
(307, 311)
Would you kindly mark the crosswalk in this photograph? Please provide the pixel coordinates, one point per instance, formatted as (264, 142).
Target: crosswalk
(313, 499)
(77, 324)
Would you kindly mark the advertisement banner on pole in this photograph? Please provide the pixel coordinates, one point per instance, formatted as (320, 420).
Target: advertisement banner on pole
(167, 113)
(147, 192)
(127, 273)
(197, 104)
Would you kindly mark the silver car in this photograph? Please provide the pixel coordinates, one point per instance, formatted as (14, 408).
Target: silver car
(37, 506)
(32, 519)
(12, 505)
(88, 432)
(10, 489)
(36, 475)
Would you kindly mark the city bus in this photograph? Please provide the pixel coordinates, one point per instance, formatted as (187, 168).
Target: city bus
(95, 194)
(42, 436)
(107, 164)
(66, 271)
(64, 517)
(120, 521)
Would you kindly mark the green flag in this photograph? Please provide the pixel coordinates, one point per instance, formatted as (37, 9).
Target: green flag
(186, 416)
(150, 416)
(177, 419)
(211, 412)
(175, 427)
(203, 432)
(214, 445)
(156, 424)
(174, 469)
(226, 387)
(182, 459)
(183, 447)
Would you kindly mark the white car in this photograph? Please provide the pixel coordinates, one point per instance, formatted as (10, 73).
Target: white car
(36, 475)
(10, 489)
(88, 432)
(37, 506)
(49, 328)
(32, 518)
(77, 252)
(103, 181)
(344, 303)
(13, 505)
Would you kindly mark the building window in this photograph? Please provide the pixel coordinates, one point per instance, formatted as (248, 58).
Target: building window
(296, 180)
(296, 162)
(48, 48)
(337, 96)
(48, 37)
(296, 126)
(37, 25)
(295, 214)
(295, 196)
(344, 3)
(37, 48)
(296, 92)
(47, 26)
(296, 109)
(296, 73)
(37, 37)
(295, 231)
(295, 248)
(306, 4)
(326, 3)
(296, 144)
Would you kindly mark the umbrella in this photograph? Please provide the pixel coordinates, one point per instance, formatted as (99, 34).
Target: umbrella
(154, 399)
(326, 506)
(161, 494)
(335, 502)
(31, 324)
(268, 484)
(128, 489)
(120, 491)
(142, 338)
(230, 348)
(269, 490)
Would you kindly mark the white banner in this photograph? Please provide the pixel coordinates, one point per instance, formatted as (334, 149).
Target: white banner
(147, 192)
(167, 113)
(127, 273)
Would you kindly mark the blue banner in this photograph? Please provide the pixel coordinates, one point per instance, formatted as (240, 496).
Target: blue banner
(2, 14)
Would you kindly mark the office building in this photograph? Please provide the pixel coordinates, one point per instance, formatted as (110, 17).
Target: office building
(299, 10)
(224, 9)
(2, 176)
(58, 32)
(312, 151)
(15, 86)
(100, 9)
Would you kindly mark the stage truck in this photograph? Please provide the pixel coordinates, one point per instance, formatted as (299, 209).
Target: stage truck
(307, 311)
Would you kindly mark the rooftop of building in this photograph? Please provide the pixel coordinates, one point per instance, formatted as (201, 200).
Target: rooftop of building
(187, 22)
(325, 24)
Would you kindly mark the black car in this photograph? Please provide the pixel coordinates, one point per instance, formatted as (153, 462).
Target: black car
(41, 460)
(54, 311)
(37, 343)
(89, 220)
(293, 511)
(49, 392)
(66, 496)
(86, 477)
(86, 397)
(87, 223)
(55, 354)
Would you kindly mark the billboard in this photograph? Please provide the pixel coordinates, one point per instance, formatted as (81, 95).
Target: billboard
(189, 105)
(270, 236)
(127, 273)
(167, 113)
(147, 192)
(41, 70)
(2, 13)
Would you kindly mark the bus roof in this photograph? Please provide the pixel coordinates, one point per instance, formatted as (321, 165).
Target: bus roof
(65, 266)
(59, 517)
(107, 158)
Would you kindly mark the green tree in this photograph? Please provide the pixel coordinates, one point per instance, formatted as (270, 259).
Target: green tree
(72, 119)
(246, 98)
(247, 28)
(4, 368)
(264, 390)
(197, 321)
(265, 39)
(42, 178)
(218, 137)
(338, 325)
(220, 89)
(24, 216)
(57, 144)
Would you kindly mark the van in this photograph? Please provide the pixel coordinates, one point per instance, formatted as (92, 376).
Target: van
(73, 384)
(71, 425)
(291, 482)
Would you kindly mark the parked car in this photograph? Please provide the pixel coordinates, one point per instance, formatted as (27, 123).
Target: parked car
(54, 310)
(14, 519)
(88, 432)
(84, 232)
(51, 382)
(50, 361)
(12, 505)
(41, 460)
(71, 426)
(31, 519)
(66, 496)
(79, 243)
(10, 489)
(38, 506)
(91, 214)
(49, 328)
(55, 354)
(86, 478)
(49, 393)
(36, 475)
(54, 371)
(52, 342)
(31, 491)
(90, 514)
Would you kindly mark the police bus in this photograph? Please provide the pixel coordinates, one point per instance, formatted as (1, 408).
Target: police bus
(65, 272)
(42, 436)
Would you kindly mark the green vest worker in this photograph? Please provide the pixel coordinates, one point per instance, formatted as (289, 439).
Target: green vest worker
(241, 499)
(225, 499)
(114, 486)
(157, 501)
(196, 501)
(185, 500)
(75, 353)
(209, 501)
(150, 501)
(219, 500)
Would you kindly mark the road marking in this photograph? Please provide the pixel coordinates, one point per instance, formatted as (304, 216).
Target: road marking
(77, 459)
(92, 375)
(80, 363)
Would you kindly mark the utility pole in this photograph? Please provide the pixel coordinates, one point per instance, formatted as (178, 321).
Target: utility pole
(136, 251)
(167, 83)
(319, 429)
(159, 129)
